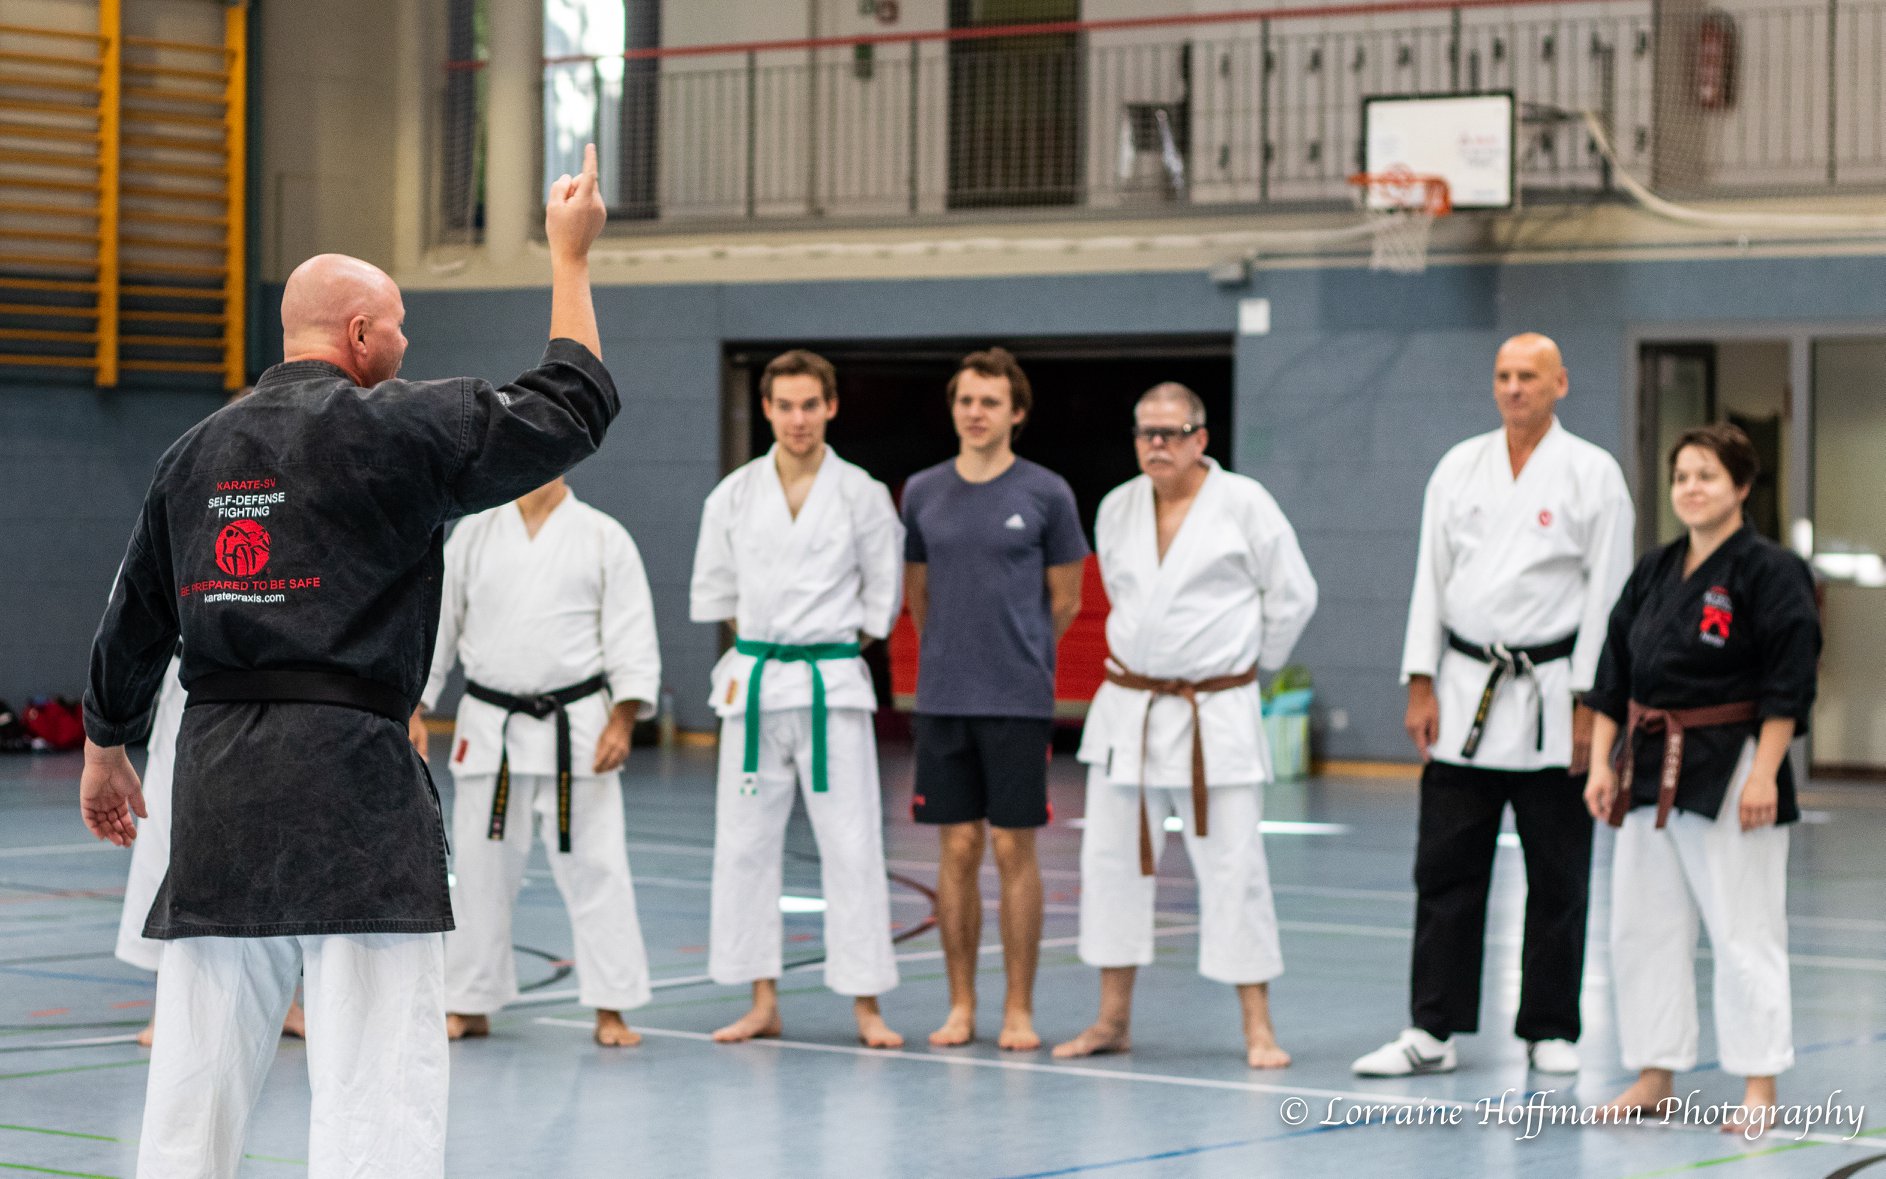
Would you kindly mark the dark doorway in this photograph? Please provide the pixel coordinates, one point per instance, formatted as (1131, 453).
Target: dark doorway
(893, 420)
(1684, 384)
(1015, 107)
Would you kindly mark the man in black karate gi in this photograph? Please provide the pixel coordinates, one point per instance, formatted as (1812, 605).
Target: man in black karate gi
(294, 539)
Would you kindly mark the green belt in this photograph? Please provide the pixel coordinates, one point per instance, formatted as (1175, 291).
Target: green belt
(812, 653)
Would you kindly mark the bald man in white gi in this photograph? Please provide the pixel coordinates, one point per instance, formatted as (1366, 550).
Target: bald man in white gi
(547, 606)
(1525, 543)
(1206, 585)
(803, 552)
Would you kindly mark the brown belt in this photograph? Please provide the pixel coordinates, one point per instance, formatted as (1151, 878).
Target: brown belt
(1670, 722)
(1187, 690)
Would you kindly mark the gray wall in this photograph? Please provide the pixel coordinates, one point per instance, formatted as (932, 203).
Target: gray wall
(74, 465)
(1342, 410)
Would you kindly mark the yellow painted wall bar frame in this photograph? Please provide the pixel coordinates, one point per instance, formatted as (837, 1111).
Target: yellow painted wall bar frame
(236, 135)
(110, 127)
(111, 189)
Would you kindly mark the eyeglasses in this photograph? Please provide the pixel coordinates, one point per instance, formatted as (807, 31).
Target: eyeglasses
(1165, 434)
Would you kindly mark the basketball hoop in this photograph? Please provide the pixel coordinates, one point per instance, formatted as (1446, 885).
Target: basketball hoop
(1401, 207)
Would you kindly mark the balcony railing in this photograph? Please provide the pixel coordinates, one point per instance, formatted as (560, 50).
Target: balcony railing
(1194, 114)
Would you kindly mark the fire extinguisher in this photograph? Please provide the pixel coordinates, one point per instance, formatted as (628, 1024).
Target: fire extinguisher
(1712, 73)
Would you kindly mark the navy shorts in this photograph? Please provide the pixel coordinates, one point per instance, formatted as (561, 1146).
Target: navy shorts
(971, 768)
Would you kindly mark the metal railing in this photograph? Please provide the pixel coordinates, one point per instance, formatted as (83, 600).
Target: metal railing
(1197, 114)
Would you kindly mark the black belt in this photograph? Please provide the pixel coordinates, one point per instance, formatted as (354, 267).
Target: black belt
(1517, 662)
(300, 687)
(539, 707)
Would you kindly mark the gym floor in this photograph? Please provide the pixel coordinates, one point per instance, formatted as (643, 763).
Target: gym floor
(540, 1099)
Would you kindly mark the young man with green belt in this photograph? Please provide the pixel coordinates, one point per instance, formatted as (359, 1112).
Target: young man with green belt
(802, 552)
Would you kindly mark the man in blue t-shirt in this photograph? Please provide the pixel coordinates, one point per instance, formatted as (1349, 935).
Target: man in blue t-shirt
(995, 553)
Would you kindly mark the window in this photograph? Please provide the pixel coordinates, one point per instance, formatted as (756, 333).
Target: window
(592, 94)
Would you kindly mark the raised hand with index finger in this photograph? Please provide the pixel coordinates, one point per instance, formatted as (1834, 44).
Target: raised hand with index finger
(574, 213)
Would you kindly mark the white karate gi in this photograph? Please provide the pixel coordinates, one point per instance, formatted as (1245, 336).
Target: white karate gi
(377, 1062)
(150, 854)
(1232, 593)
(527, 615)
(830, 575)
(1735, 884)
(1522, 562)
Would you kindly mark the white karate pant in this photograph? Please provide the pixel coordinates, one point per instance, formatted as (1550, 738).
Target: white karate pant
(593, 876)
(1735, 883)
(749, 846)
(377, 1061)
(1237, 917)
(150, 853)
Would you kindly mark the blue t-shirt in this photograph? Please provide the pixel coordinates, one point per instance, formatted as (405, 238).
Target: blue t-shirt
(988, 635)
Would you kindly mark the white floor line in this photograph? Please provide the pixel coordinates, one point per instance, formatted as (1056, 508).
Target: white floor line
(89, 1042)
(56, 849)
(1104, 1074)
(1024, 1066)
(544, 998)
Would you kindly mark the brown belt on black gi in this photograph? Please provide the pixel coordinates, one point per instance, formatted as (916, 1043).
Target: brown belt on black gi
(1189, 691)
(1670, 722)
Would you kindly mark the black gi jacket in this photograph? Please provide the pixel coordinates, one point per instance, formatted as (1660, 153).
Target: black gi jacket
(303, 528)
(1743, 626)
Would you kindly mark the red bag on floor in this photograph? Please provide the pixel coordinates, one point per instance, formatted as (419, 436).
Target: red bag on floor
(54, 722)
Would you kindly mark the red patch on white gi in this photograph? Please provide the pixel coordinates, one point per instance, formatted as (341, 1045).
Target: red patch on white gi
(459, 757)
(1545, 518)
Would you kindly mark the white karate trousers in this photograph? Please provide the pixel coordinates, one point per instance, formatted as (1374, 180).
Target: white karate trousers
(377, 1061)
(1237, 937)
(1735, 884)
(593, 876)
(150, 854)
(749, 846)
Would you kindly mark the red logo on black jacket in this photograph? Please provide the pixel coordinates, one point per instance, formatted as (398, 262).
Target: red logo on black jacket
(1718, 614)
(242, 548)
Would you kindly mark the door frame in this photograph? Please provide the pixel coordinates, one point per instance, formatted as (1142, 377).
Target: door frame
(1800, 337)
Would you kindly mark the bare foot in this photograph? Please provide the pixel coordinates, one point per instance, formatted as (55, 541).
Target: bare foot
(957, 1030)
(466, 1027)
(611, 1032)
(1758, 1111)
(761, 1023)
(1018, 1033)
(144, 1037)
(295, 1023)
(1749, 1123)
(1099, 1040)
(1644, 1096)
(1263, 1052)
(873, 1032)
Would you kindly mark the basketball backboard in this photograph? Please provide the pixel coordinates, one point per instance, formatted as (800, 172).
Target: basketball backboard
(1465, 139)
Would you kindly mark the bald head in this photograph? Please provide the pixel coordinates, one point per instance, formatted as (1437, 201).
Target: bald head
(1529, 380)
(1541, 350)
(347, 312)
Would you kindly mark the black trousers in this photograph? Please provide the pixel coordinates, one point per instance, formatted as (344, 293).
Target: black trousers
(1461, 808)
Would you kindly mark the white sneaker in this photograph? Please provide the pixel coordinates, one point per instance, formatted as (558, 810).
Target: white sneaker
(1552, 1056)
(1410, 1054)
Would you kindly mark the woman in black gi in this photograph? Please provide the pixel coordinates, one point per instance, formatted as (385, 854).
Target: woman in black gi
(1709, 672)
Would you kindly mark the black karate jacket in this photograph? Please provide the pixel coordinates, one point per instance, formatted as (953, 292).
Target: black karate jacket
(304, 528)
(1743, 626)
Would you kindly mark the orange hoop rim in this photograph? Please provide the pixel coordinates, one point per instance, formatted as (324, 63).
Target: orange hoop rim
(1436, 201)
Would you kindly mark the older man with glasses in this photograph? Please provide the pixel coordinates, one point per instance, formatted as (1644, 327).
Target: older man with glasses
(1207, 586)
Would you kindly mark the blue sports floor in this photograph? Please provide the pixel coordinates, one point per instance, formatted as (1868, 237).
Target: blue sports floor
(539, 1099)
